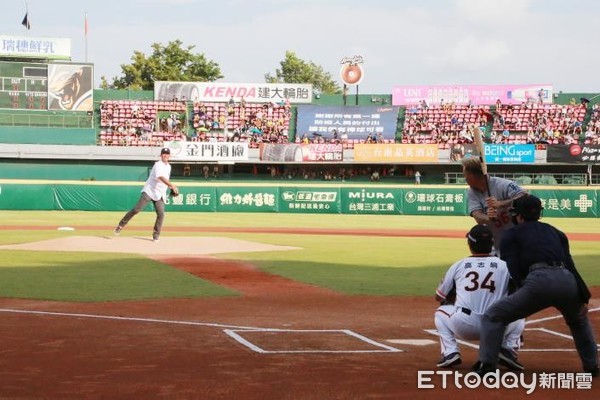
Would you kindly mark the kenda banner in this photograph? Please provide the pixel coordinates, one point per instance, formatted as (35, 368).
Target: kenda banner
(357, 122)
(397, 152)
(477, 94)
(509, 153)
(223, 92)
(575, 153)
(317, 152)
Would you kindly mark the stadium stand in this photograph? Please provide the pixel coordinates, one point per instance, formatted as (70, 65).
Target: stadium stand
(134, 122)
(513, 124)
(252, 122)
(150, 123)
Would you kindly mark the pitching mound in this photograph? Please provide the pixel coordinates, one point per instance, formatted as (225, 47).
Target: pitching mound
(145, 246)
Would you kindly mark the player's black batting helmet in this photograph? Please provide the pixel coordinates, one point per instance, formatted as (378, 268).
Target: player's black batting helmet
(481, 239)
(528, 206)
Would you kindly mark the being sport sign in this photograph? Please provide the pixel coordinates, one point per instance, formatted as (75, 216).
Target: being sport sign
(509, 153)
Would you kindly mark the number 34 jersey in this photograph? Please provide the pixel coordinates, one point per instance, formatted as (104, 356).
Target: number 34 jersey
(479, 281)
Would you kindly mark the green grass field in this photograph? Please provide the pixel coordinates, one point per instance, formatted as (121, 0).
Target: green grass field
(355, 265)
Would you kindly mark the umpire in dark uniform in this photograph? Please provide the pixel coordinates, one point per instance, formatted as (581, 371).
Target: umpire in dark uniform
(540, 262)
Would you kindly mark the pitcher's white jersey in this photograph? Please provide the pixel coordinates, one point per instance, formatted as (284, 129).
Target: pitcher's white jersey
(480, 282)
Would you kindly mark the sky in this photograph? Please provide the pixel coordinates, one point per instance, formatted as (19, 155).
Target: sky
(426, 42)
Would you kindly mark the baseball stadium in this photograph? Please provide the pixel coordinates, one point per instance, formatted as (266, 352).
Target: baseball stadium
(301, 256)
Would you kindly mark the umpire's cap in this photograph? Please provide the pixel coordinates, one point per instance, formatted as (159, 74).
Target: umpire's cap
(480, 234)
(528, 206)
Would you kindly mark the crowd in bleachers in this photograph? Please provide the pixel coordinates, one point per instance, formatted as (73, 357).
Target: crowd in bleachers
(141, 123)
(150, 123)
(240, 121)
(592, 131)
(448, 124)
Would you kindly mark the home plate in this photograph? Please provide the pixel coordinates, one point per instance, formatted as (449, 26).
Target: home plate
(412, 342)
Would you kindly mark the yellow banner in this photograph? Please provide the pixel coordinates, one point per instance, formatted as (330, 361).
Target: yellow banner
(396, 152)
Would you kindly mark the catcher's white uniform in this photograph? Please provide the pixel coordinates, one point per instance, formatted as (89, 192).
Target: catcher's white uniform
(479, 282)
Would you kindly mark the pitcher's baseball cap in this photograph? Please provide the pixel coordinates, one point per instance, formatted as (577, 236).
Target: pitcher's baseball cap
(480, 234)
(165, 150)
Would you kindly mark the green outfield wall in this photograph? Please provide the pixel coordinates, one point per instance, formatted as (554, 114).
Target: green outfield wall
(47, 135)
(276, 198)
(50, 169)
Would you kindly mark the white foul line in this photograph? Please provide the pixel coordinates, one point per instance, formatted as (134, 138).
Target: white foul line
(230, 330)
(534, 321)
(137, 319)
(475, 346)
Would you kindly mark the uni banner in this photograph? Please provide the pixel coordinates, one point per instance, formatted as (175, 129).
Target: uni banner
(477, 94)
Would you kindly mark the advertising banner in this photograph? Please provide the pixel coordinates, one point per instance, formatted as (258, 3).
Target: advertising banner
(358, 122)
(396, 152)
(477, 94)
(321, 200)
(32, 47)
(248, 199)
(193, 198)
(568, 203)
(208, 151)
(435, 201)
(222, 92)
(70, 87)
(324, 152)
(371, 201)
(509, 153)
(574, 154)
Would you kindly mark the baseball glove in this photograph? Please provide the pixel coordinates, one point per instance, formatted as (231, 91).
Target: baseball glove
(450, 298)
(173, 193)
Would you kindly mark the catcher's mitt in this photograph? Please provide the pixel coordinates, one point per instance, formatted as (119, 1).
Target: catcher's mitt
(450, 298)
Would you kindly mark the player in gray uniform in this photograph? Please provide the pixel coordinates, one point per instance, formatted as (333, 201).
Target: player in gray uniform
(489, 209)
(540, 262)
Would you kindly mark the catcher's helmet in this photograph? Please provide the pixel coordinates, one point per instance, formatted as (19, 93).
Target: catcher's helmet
(528, 206)
(480, 239)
